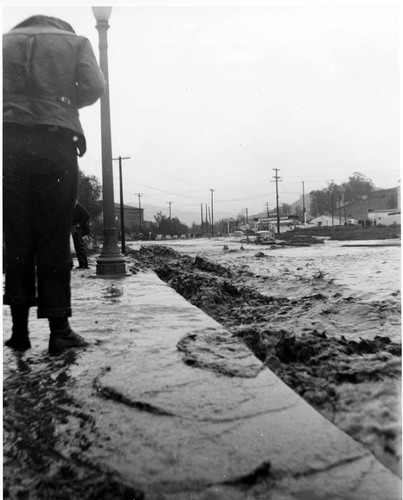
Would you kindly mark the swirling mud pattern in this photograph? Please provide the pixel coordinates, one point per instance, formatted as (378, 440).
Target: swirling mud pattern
(38, 409)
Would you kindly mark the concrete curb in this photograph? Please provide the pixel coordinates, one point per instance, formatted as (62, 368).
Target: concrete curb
(205, 419)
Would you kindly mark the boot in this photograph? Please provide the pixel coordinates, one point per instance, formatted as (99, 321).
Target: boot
(62, 337)
(19, 340)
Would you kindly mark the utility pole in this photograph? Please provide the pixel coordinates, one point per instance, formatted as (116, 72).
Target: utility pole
(277, 179)
(267, 209)
(201, 217)
(303, 202)
(206, 214)
(212, 216)
(122, 212)
(332, 207)
(170, 221)
(247, 224)
(169, 203)
(140, 195)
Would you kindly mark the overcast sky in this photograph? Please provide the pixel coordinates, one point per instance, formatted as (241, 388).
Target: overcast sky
(215, 97)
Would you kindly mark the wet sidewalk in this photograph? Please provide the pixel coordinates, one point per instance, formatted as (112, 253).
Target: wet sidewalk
(182, 410)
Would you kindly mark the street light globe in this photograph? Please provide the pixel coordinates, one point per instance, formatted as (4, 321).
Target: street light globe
(102, 14)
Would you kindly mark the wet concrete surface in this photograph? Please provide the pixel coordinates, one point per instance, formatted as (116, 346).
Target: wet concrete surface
(168, 403)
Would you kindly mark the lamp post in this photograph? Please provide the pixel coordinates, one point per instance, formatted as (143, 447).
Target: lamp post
(111, 262)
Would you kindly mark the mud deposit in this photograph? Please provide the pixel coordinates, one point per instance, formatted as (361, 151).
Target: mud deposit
(320, 341)
(45, 432)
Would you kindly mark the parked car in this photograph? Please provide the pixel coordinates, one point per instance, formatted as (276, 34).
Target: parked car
(264, 237)
(238, 234)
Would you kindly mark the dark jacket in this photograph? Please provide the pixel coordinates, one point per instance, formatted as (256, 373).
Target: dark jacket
(49, 73)
(81, 218)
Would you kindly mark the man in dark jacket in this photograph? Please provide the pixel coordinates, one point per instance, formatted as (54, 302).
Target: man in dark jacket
(81, 227)
(49, 72)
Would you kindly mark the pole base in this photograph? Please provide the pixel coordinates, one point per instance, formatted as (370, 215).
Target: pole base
(111, 262)
(111, 267)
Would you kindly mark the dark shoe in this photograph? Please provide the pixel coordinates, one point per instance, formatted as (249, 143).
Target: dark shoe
(18, 342)
(19, 339)
(59, 342)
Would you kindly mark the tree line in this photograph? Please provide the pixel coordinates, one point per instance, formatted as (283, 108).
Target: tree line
(89, 195)
(325, 201)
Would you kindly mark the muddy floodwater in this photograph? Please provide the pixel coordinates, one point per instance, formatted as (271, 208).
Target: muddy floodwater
(325, 318)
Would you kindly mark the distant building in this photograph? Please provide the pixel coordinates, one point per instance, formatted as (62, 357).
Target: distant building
(326, 220)
(132, 215)
(267, 223)
(384, 217)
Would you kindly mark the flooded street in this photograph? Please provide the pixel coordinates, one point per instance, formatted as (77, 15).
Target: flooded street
(325, 318)
(364, 269)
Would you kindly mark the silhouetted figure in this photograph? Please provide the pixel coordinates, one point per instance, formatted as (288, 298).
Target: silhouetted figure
(80, 228)
(49, 73)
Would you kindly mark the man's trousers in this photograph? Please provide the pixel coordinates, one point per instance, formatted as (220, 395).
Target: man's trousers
(40, 175)
(80, 248)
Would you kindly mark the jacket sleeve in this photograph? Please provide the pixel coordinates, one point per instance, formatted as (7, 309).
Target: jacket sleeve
(80, 214)
(90, 79)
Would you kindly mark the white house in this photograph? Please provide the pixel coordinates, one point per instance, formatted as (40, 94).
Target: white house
(384, 217)
(325, 220)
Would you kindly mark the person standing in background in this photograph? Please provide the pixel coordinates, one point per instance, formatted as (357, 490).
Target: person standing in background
(49, 73)
(81, 227)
